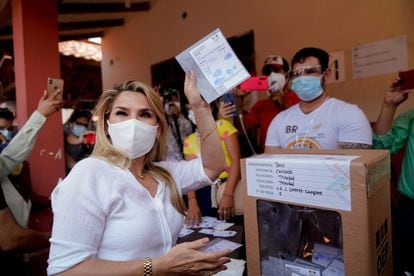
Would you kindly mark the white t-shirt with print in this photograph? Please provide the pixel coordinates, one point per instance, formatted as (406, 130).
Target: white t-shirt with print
(332, 122)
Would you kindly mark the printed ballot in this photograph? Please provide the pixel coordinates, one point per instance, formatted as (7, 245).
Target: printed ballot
(217, 68)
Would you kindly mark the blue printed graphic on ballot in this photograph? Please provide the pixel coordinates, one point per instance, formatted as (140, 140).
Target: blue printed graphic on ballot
(219, 75)
(341, 181)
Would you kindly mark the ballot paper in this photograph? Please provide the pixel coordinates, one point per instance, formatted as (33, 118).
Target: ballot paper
(234, 268)
(216, 66)
(218, 233)
(184, 232)
(219, 244)
(208, 222)
(223, 226)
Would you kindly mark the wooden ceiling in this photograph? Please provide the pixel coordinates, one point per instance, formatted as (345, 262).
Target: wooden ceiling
(79, 19)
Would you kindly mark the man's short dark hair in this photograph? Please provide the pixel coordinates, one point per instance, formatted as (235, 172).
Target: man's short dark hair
(304, 53)
(80, 113)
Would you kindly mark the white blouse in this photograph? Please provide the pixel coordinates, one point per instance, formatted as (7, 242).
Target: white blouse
(102, 211)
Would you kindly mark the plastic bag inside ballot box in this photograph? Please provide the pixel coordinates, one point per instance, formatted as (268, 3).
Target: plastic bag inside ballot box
(298, 240)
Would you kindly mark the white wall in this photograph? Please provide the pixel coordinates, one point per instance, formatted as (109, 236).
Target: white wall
(281, 27)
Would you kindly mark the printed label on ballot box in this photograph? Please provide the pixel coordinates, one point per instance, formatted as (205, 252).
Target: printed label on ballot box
(317, 180)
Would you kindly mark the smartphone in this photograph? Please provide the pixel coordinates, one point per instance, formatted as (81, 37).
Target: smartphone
(259, 83)
(53, 84)
(230, 98)
(90, 138)
(407, 79)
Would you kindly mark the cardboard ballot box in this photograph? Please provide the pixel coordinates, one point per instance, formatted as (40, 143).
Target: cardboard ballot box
(321, 212)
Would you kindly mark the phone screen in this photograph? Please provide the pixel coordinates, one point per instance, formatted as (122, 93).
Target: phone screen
(230, 98)
(407, 79)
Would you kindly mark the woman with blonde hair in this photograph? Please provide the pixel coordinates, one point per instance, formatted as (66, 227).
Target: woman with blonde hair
(119, 212)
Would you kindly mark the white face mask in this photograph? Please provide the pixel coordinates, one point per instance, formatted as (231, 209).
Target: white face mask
(133, 137)
(191, 117)
(276, 82)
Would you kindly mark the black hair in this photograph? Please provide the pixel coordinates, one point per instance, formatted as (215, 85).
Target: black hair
(6, 114)
(267, 68)
(304, 53)
(80, 113)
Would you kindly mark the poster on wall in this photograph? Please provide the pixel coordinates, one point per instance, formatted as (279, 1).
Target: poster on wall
(380, 57)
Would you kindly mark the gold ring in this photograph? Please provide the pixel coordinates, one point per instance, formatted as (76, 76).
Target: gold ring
(206, 273)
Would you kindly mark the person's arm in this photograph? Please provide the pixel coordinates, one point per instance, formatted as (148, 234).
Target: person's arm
(349, 145)
(211, 151)
(354, 128)
(13, 237)
(272, 138)
(22, 144)
(226, 204)
(182, 259)
(393, 98)
(193, 216)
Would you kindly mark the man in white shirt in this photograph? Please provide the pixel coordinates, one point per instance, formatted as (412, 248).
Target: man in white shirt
(317, 121)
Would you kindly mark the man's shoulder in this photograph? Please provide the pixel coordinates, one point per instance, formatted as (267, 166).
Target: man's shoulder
(335, 102)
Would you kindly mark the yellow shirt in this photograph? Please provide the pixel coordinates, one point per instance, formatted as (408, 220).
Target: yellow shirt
(192, 143)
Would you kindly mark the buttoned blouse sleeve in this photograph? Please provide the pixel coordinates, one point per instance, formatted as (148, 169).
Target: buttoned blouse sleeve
(21, 145)
(87, 192)
(188, 175)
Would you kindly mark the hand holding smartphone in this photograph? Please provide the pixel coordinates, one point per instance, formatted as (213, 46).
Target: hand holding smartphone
(52, 85)
(230, 99)
(406, 79)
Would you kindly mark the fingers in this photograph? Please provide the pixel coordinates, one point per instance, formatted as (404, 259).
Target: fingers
(226, 213)
(197, 244)
(192, 220)
(44, 95)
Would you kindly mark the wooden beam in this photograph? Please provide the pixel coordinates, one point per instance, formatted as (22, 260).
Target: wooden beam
(90, 24)
(82, 36)
(76, 8)
(81, 25)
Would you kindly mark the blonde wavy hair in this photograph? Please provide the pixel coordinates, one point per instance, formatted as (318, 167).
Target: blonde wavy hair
(104, 149)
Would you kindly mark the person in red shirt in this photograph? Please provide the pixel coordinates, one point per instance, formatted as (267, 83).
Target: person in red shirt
(263, 111)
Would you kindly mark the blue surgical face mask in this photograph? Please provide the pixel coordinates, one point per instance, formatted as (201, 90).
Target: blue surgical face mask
(6, 133)
(78, 130)
(307, 88)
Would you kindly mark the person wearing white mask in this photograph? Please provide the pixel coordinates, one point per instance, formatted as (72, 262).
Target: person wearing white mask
(119, 212)
(263, 111)
(317, 121)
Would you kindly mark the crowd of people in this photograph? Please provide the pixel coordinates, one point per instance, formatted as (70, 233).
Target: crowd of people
(160, 160)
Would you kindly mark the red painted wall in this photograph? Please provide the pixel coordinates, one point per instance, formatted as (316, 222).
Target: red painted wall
(36, 57)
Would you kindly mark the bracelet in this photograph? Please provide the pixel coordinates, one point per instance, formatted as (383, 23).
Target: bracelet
(147, 266)
(228, 195)
(202, 138)
(193, 197)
